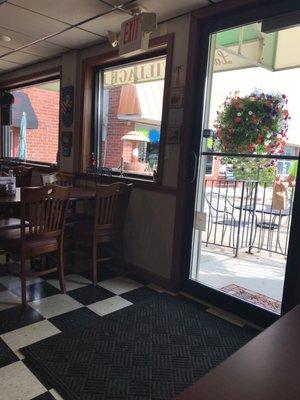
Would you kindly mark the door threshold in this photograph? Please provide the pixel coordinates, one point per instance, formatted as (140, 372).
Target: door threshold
(225, 315)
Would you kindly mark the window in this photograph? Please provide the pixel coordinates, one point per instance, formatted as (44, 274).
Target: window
(129, 102)
(209, 165)
(34, 132)
(283, 166)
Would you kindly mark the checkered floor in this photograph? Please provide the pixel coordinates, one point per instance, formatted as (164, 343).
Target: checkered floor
(48, 313)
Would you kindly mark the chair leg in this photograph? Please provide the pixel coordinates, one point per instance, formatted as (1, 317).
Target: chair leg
(61, 268)
(94, 271)
(121, 255)
(23, 279)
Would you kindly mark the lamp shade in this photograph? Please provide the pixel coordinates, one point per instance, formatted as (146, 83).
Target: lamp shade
(135, 136)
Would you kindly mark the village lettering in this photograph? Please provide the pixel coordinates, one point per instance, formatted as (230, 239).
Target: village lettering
(138, 73)
(221, 58)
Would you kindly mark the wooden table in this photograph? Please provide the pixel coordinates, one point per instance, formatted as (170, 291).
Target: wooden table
(77, 193)
(267, 368)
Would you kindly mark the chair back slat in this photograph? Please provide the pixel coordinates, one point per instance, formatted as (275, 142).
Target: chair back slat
(43, 211)
(111, 206)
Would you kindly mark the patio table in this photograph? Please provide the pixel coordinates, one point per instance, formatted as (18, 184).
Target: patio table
(270, 225)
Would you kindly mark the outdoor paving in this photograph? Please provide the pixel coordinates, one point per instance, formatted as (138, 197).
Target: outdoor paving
(260, 272)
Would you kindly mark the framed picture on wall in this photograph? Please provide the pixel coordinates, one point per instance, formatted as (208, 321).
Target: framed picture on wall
(67, 106)
(176, 97)
(66, 143)
(173, 134)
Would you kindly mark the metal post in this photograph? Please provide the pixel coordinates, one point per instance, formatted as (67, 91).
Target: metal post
(253, 218)
(240, 221)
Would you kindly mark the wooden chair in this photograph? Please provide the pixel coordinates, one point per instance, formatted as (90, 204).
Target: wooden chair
(57, 178)
(74, 219)
(23, 175)
(62, 179)
(43, 214)
(109, 218)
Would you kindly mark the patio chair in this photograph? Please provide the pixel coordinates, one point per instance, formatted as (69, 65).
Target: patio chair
(220, 212)
(270, 223)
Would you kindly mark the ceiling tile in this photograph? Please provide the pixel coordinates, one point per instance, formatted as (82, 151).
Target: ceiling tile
(21, 58)
(70, 11)
(101, 25)
(117, 2)
(4, 50)
(27, 22)
(6, 65)
(45, 49)
(17, 39)
(171, 8)
(75, 38)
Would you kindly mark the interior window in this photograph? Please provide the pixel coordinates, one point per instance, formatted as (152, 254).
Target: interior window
(128, 116)
(34, 131)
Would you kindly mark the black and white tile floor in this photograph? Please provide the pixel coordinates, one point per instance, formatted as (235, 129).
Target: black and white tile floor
(48, 313)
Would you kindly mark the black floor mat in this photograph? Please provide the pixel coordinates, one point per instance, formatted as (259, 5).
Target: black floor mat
(153, 350)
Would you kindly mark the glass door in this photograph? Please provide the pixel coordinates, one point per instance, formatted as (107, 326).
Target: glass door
(248, 162)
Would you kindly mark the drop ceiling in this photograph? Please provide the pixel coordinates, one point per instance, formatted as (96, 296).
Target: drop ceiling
(41, 29)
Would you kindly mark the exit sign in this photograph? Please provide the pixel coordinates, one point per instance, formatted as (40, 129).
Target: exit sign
(132, 29)
(135, 33)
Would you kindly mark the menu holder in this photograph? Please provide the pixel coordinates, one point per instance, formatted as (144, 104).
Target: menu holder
(7, 185)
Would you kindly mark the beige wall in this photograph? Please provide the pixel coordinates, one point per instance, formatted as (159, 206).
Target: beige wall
(150, 224)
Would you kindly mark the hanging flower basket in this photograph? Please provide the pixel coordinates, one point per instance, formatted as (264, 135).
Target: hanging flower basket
(255, 124)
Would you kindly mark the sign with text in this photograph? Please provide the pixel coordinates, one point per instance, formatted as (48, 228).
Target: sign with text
(141, 72)
(135, 32)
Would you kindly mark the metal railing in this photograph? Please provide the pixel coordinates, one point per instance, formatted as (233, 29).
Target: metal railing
(240, 216)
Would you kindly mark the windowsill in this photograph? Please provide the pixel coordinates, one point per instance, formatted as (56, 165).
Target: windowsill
(34, 164)
(138, 181)
(125, 176)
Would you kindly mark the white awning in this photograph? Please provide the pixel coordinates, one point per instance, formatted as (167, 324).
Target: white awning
(150, 98)
(247, 46)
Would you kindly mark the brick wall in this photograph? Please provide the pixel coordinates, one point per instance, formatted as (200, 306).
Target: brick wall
(112, 150)
(42, 143)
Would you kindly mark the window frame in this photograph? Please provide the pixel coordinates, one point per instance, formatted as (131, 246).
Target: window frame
(30, 80)
(97, 108)
(159, 46)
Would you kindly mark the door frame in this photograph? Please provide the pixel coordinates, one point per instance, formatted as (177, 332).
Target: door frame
(203, 22)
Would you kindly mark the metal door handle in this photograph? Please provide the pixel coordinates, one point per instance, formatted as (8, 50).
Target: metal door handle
(195, 167)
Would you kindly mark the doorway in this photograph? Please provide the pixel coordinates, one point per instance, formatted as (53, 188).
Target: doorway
(245, 180)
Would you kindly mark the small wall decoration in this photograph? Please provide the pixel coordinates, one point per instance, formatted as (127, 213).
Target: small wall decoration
(178, 76)
(67, 105)
(176, 97)
(66, 143)
(173, 134)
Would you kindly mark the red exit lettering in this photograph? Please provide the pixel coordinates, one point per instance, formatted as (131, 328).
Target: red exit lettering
(131, 30)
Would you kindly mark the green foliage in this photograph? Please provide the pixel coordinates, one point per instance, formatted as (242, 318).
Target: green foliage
(255, 124)
(261, 170)
(252, 124)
